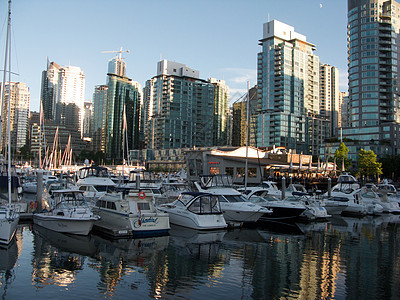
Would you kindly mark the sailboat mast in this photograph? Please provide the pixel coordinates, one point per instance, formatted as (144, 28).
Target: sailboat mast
(9, 105)
(5, 70)
(246, 175)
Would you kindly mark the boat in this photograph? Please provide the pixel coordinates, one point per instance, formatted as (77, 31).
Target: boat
(370, 196)
(9, 217)
(69, 213)
(195, 210)
(30, 185)
(281, 209)
(235, 207)
(315, 211)
(94, 182)
(130, 214)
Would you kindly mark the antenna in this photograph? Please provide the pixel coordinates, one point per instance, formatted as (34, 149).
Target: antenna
(120, 51)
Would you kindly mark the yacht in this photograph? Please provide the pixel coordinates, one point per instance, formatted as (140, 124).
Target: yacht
(235, 207)
(281, 209)
(69, 213)
(131, 214)
(369, 196)
(30, 185)
(195, 210)
(94, 182)
(314, 209)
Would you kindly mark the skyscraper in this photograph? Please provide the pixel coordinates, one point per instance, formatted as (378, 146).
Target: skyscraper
(49, 89)
(288, 88)
(18, 94)
(373, 52)
(329, 96)
(70, 98)
(182, 110)
(99, 118)
(123, 111)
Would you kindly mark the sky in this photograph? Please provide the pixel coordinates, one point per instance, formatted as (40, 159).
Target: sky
(220, 38)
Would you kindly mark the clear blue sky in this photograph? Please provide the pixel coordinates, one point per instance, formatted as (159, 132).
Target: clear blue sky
(217, 37)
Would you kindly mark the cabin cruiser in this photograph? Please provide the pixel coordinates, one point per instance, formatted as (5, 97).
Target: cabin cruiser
(281, 209)
(68, 213)
(195, 210)
(9, 218)
(235, 207)
(30, 184)
(131, 213)
(369, 196)
(94, 182)
(314, 209)
(389, 191)
(272, 188)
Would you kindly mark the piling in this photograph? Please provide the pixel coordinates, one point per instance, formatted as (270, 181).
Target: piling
(283, 187)
(329, 187)
(39, 190)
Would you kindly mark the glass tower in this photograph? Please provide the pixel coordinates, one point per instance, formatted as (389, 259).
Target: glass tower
(373, 29)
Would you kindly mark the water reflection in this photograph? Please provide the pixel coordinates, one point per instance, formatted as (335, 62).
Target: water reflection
(58, 257)
(343, 258)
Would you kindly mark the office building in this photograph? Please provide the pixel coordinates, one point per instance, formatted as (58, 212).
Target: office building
(99, 118)
(123, 112)
(17, 93)
(373, 28)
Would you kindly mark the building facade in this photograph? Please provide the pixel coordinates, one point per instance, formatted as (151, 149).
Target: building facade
(99, 118)
(122, 114)
(17, 93)
(288, 87)
(329, 96)
(49, 90)
(373, 28)
(182, 111)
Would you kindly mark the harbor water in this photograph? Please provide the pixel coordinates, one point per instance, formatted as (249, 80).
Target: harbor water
(344, 258)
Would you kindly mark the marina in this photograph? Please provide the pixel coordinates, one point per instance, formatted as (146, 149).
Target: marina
(343, 258)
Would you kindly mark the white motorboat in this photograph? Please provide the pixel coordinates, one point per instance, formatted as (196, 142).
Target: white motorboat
(9, 218)
(335, 206)
(195, 210)
(314, 209)
(388, 191)
(281, 209)
(369, 196)
(69, 213)
(272, 188)
(234, 206)
(94, 182)
(131, 214)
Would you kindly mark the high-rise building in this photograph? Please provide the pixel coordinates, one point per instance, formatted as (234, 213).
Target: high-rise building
(343, 110)
(70, 98)
(49, 90)
(221, 113)
(288, 88)
(239, 119)
(329, 96)
(373, 62)
(182, 111)
(123, 111)
(18, 95)
(99, 118)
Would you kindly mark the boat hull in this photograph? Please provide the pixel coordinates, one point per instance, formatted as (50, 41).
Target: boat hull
(81, 226)
(148, 224)
(282, 213)
(7, 229)
(196, 221)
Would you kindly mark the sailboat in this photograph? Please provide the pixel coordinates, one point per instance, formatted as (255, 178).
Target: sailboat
(9, 217)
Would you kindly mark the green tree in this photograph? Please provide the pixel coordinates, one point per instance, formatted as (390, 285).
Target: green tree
(340, 155)
(391, 166)
(367, 164)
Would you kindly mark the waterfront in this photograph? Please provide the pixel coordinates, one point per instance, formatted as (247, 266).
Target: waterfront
(342, 258)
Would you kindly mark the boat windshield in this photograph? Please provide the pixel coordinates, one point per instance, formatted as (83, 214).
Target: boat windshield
(207, 204)
(234, 198)
(71, 200)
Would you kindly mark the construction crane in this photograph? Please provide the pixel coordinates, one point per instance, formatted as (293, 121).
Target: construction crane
(120, 51)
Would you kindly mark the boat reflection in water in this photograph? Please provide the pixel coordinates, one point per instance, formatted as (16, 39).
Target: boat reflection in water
(59, 257)
(338, 259)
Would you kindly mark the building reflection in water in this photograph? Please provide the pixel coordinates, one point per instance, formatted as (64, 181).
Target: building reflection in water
(342, 258)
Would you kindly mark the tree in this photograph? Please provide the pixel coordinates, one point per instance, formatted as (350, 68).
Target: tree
(391, 166)
(367, 164)
(340, 155)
